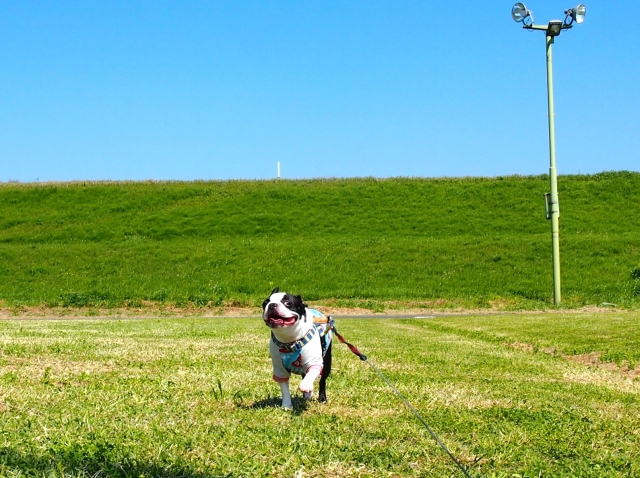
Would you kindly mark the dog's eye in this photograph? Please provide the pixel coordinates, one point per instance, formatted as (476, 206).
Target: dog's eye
(286, 303)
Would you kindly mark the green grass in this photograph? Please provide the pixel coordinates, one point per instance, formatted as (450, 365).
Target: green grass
(194, 398)
(470, 242)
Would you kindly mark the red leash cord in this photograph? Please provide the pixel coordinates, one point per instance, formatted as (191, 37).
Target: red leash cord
(332, 326)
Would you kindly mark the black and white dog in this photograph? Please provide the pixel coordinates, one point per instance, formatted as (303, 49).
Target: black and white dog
(300, 344)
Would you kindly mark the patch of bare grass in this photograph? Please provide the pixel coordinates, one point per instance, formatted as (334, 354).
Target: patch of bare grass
(523, 347)
(147, 310)
(591, 359)
(34, 369)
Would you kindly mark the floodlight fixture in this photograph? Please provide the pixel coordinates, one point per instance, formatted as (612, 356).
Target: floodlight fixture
(575, 14)
(554, 28)
(520, 13)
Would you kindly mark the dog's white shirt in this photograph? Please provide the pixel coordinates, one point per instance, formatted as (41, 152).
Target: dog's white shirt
(300, 362)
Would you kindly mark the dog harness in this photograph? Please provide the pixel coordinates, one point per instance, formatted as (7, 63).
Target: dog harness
(305, 353)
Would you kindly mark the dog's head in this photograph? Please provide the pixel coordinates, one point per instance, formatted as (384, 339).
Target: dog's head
(281, 309)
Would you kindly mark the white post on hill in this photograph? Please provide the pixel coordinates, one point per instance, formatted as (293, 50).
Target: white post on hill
(278, 169)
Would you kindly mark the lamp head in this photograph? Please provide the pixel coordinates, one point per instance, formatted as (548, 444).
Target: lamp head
(575, 14)
(554, 28)
(520, 13)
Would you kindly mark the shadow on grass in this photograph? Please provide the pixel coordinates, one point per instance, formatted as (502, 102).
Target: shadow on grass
(76, 460)
(300, 404)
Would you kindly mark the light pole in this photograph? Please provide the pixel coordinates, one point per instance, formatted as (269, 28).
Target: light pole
(520, 13)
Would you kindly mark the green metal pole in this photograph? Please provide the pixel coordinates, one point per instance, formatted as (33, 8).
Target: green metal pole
(554, 206)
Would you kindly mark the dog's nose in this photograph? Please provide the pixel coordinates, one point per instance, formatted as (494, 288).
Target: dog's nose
(272, 305)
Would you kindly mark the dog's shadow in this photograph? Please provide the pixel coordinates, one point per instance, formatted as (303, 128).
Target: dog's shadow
(300, 404)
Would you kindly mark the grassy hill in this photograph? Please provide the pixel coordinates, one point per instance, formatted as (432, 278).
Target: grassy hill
(472, 242)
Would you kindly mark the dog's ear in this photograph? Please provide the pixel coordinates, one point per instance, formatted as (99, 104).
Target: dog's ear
(301, 301)
(277, 289)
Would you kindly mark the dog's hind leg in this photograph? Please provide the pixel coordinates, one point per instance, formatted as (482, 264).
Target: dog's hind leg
(326, 370)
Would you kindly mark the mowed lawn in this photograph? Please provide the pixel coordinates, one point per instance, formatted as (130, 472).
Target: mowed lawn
(510, 395)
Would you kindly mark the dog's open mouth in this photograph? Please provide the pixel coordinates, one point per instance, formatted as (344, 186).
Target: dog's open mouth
(273, 319)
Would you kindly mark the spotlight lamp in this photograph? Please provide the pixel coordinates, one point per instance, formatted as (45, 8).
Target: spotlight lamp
(575, 14)
(521, 14)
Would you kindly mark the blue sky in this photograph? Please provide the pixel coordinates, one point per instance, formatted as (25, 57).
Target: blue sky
(168, 90)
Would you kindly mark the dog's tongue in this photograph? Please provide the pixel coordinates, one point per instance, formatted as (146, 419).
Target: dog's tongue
(278, 319)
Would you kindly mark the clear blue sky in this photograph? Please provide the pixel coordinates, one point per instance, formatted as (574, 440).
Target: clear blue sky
(136, 90)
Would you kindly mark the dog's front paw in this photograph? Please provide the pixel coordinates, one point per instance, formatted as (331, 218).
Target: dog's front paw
(306, 387)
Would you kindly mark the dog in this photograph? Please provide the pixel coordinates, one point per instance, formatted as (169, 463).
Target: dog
(300, 344)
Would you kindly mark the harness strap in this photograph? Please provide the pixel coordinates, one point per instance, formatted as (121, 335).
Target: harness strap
(298, 344)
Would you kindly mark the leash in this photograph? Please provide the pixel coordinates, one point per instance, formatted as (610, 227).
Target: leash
(363, 357)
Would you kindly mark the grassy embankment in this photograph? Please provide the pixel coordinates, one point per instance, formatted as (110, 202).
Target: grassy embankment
(433, 243)
(509, 395)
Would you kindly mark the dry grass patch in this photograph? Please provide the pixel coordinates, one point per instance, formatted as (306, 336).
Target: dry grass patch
(36, 368)
(591, 360)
